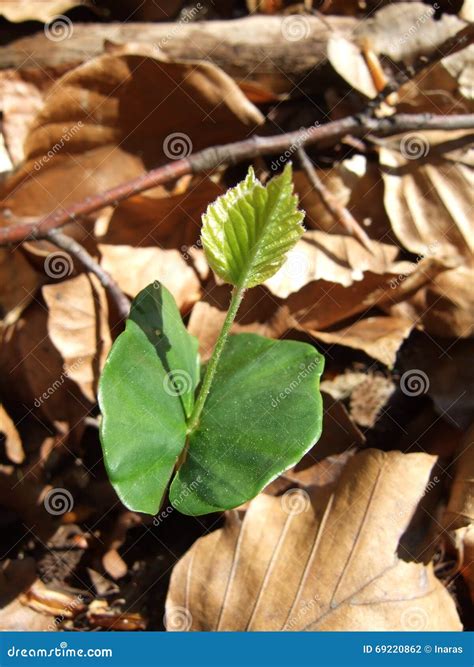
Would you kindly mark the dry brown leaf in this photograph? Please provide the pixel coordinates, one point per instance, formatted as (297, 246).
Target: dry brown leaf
(445, 307)
(428, 192)
(37, 10)
(323, 560)
(18, 283)
(22, 94)
(321, 304)
(401, 31)
(103, 123)
(78, 327)
(459, 515)
(135, 268)
(13, 446)
(356, 183)
(162, 218)
(378, 337)
(333, 258)
(405, 30)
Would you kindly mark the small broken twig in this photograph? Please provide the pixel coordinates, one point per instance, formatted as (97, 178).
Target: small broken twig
(75, 249)
(340, 213)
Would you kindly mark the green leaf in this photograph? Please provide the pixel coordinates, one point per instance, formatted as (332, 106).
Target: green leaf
(149, 377)
(263, 413)
(247, 231)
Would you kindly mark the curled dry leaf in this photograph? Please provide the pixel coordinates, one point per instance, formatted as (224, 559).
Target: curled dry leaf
(102, 123)
(401, 31)
(428, 192)
(78, 327)
(459, 515)
(324, 559)
(379, 337)
(12, 440)
(330, 257)
(445, 307)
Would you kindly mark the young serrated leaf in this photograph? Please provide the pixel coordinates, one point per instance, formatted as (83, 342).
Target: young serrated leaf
(248, 231)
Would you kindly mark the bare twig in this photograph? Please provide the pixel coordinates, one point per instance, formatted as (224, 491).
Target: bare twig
(340, 213)
(75, 249)
(211, 158)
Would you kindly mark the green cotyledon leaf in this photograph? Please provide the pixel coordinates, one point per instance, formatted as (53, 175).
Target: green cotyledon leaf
(263, 413)
(145, 393)
(248, 231)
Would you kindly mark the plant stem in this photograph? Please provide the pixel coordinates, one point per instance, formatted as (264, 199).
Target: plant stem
(237, 296)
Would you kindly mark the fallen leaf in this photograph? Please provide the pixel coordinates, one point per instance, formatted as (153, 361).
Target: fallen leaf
(170, 220)
(355, 183)
(102, 123)
(135, 268)
(78, 327)
(330, 257)
(12, 440)
(401, 31)
(22, 95)
(379, 337)
(322, 559)
(428, 192)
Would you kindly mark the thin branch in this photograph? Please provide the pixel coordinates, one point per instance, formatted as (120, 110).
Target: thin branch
(211, 158)
(340, 213)
(75, 249)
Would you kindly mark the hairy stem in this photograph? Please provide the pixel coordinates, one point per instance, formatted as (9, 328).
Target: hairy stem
(237, 296)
